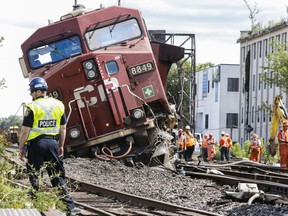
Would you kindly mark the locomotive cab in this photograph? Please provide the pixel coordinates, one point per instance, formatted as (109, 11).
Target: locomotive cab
(102, 66)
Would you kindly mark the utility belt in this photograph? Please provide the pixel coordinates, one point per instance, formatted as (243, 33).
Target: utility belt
(55, 137)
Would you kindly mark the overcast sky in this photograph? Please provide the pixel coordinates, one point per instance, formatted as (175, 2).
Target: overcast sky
(216, 25)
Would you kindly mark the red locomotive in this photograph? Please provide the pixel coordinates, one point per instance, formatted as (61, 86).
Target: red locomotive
(112, 80)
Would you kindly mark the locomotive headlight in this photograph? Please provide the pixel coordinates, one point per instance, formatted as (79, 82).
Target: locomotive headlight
(91, 74)
(88, 65)
(90, 69)
(74, 133)
(137, 114)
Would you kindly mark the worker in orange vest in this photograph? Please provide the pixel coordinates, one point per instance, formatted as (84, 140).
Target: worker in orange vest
(190, 143)
(211, 147)
(204, 145)
(181, 140)
(255, 148)
(224, 143)
(283, 144)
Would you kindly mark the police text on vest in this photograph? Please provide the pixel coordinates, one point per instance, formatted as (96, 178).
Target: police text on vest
(46, 123)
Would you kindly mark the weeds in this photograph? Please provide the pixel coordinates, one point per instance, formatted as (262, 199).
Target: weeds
(14, 196)
(238, 151)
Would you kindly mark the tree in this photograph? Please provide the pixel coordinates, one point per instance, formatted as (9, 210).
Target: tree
(202, 66)
(5, 123)
(252, 15)
(178, 87)
(276, 71)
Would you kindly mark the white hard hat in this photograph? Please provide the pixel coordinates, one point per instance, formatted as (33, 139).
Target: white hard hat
(187, 127)
(222, 132)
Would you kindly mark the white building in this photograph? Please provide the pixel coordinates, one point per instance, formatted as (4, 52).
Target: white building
(254, 49)
(217, 100)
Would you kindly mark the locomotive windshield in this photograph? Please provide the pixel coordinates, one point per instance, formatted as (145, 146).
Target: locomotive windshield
(54, 52)
(113, 34)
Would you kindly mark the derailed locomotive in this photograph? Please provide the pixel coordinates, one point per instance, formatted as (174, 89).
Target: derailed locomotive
(112, 81)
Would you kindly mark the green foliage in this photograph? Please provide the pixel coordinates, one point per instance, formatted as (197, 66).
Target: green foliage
(217, 152)
(178, 81)
(238, 151)
(267, 157)
(48, 199)
(6, 122)
(276, 71)
(12, 196)
(202, 66)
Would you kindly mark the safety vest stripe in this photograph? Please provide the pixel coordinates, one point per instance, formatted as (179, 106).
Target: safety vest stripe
(48, 115)
(47, 111)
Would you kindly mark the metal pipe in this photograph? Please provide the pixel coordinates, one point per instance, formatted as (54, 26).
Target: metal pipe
(255, 196)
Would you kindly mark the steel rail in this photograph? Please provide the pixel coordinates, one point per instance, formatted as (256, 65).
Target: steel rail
(247, 172)
(137, 199)
(231, 180)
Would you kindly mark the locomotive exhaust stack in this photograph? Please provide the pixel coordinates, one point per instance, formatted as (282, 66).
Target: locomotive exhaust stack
(112, 80)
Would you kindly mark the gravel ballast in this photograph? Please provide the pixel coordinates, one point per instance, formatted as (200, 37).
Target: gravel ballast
(166, 186)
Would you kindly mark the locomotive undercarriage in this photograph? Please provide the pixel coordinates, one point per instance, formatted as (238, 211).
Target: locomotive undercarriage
(149, 144)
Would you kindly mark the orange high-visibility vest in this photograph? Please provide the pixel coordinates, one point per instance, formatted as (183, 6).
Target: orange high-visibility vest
(190, 140)
(204, 143)
(181, 141)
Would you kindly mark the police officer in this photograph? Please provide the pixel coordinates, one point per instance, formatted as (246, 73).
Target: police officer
(44, 122)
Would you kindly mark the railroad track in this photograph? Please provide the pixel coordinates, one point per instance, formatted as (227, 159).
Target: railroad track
(268, 178)
(120, 203)
(96, 200)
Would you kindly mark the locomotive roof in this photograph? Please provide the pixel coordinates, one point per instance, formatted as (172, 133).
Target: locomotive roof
(75, 25)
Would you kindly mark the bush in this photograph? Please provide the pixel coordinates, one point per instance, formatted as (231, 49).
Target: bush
(13, 196)
(238, 151)
(267, 157)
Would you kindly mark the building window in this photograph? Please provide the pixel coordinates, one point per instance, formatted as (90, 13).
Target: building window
(243, 54)
(206, 121)
(284, 40)
(266, 47)
(271, 45)
(233, 84)
(242, 115)
(254, 80)
(265, 83)
(270, 113)
(260, 49)
(231, 120)
(254, 50)
(258, 114)
(252, 115)
(259, 82)
(205, 85)
(271, 76)
(216, 91)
